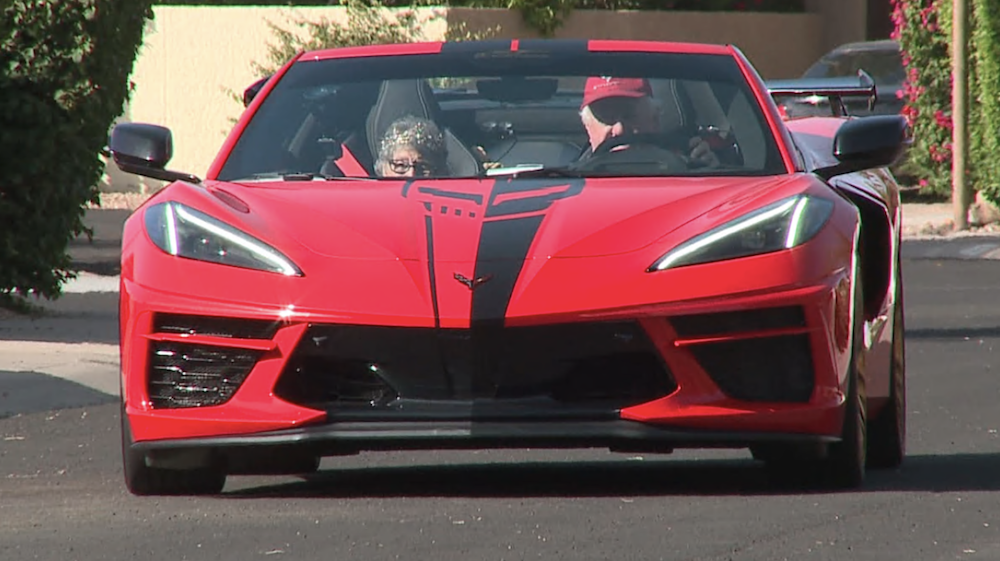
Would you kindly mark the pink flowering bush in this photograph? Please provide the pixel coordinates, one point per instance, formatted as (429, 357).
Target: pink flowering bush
(923, 29)
(927, 90)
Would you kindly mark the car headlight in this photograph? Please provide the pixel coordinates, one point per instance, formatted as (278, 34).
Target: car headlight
(782, 225)
(185, 232)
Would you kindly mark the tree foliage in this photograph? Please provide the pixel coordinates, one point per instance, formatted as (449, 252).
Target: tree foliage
(986, 97)
(64, 69)
(366, 24)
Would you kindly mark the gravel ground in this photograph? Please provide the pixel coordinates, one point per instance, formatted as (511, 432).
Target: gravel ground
(117, 201)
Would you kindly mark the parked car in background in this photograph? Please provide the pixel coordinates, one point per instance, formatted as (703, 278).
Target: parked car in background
(882, 60)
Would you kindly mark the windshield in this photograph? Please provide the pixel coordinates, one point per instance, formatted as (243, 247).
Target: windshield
(475, 113)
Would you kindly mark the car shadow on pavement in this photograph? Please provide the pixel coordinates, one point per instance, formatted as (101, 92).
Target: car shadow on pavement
(23, 393)
(625, 478)
(90, 317)
(941, 473)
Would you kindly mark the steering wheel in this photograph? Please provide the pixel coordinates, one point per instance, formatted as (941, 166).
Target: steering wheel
(605, 154)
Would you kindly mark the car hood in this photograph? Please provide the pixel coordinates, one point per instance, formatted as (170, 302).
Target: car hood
(469, 220)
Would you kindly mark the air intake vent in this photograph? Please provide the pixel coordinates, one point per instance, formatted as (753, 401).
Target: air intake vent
(725, 323)
(215, 326)
(596, 366)
(182, 375)
(776, 369)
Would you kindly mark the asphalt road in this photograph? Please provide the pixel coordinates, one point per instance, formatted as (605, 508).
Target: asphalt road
(62, 497)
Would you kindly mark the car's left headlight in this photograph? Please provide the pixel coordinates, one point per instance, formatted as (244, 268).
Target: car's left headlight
(185, 232)
(781, 225)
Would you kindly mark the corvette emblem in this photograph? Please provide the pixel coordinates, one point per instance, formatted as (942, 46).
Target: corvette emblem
(472, 284)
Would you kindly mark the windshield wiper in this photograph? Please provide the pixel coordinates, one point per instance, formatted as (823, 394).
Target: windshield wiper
(534, 170)
(299, 176)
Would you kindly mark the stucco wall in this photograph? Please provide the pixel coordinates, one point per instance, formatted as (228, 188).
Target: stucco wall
(191, 56)
(779, 45)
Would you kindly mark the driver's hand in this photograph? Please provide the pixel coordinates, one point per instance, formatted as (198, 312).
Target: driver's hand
(701, 152)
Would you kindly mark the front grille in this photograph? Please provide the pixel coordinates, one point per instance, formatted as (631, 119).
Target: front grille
(208, 326)
(723, 323)
(184, 375)
(603, 365)
(775, 369)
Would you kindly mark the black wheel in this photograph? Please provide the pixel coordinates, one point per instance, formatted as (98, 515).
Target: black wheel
(887, 431)
(141, 479)
(842, 464)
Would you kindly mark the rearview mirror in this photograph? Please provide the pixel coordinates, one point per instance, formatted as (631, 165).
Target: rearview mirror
(145, 149)
(517, 89)
(868, 143)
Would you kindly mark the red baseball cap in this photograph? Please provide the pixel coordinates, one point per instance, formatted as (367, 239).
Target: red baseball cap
(600, 87)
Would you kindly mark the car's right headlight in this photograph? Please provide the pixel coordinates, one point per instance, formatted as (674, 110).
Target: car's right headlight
(185, 232)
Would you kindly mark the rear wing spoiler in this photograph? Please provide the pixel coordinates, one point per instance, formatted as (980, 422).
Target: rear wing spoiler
(834, 89)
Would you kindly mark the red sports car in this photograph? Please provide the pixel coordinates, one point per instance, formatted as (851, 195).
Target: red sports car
(533, 243)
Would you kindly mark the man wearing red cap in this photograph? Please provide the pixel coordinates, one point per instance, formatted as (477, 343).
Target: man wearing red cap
(616, 107)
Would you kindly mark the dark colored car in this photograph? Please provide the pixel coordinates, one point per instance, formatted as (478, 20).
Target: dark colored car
(882, 60)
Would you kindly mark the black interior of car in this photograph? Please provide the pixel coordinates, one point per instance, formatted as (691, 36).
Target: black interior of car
(487, 123)
(480, 129)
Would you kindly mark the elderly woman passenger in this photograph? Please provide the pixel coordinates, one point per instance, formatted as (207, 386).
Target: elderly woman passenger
(412, 147)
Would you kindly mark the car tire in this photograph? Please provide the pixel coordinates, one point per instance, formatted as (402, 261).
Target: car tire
(143, 480)
(842, 464)
(845, 462)
(887, 431)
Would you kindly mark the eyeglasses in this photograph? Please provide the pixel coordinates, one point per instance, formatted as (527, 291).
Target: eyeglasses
(419, 167)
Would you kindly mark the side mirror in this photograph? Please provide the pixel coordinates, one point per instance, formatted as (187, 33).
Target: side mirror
(145, 149)
(868, 143)
(253, 90)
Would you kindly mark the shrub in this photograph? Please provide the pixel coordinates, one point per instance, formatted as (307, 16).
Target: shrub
(986, 97)
(64, 69)
(927, 92)
(367, 24)
(545, 16)
(923, 28)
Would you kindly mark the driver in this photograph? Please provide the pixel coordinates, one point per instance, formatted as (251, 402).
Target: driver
(614, 107)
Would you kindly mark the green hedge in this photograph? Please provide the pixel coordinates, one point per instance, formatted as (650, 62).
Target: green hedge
(986, 96)
(64, 69)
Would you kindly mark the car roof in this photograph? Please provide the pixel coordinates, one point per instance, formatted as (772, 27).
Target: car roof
(595, 45)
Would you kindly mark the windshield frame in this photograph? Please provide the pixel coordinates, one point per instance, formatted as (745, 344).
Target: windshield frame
(315, 72)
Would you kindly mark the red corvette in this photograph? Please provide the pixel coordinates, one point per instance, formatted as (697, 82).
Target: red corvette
(515, 244)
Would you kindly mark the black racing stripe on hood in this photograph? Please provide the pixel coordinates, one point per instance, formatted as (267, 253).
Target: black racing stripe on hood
(515, 212)
(431, 273)
(499, 244)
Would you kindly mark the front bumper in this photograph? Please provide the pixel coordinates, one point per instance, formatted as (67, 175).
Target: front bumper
(353, 437)
(688, 398)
